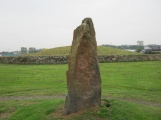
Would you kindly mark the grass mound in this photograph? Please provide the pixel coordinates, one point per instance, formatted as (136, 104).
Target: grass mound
(63, 51)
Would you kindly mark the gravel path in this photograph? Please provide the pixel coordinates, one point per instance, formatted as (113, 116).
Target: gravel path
(143, 102)
(6, 98)
(30, 97)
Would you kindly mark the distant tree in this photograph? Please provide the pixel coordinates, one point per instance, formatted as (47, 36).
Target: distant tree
(138, 50)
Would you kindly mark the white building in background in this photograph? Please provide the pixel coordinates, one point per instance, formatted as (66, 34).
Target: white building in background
(32, 49)
(23, 50)
(140, 43)
(152, 47)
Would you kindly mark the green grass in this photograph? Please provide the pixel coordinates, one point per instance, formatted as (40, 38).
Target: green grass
(125, 80)
(63, 51)
(120, 110)
(139, 83)
(16, 80)
(139, 80)
(37, 111)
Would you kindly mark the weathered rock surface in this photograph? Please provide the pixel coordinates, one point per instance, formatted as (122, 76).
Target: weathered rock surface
(83, 75)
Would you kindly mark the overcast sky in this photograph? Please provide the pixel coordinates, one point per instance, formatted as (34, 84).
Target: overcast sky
(50, 23)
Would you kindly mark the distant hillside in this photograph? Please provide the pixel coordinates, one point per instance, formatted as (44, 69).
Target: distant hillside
(101, 50)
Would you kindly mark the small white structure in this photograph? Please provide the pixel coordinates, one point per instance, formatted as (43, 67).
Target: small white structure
(32, 49)
(140, 43)
(23, 50)
(152, 47)
(147, 47)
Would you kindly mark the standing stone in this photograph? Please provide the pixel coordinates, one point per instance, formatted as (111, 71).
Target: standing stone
(83, 74)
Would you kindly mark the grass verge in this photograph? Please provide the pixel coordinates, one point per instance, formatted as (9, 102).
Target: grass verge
(139, 83)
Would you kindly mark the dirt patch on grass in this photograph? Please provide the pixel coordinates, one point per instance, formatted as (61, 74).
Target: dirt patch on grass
(60, 112)
(81, 114)
(5, 115)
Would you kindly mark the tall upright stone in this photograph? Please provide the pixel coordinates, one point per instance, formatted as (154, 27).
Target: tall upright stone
(83, 74)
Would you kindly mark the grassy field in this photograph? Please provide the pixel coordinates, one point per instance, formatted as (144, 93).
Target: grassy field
(101, 50)
(132, 89)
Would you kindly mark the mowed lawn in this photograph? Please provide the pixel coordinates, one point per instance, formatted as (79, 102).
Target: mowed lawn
(137, 83)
